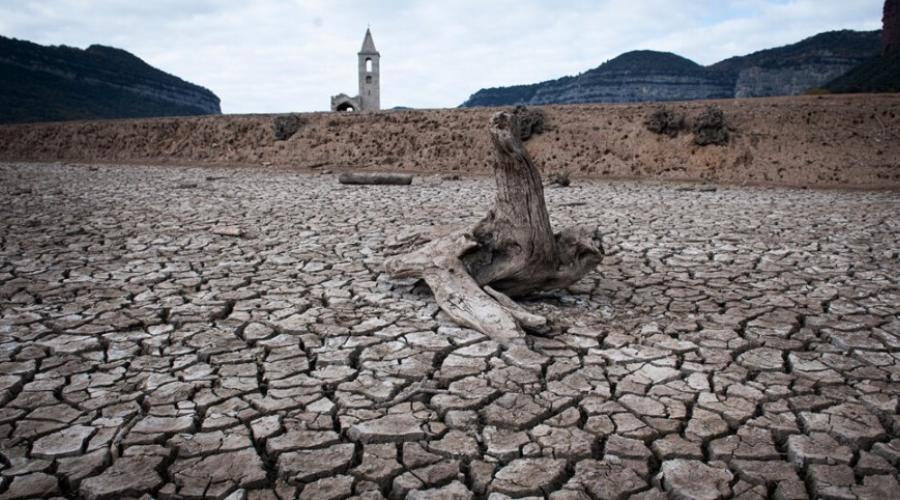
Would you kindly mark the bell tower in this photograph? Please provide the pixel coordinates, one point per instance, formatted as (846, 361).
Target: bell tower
(369, 85)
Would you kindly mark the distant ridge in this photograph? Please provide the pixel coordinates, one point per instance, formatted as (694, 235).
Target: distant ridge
(647, 75)
(54, 83)
(798, 68)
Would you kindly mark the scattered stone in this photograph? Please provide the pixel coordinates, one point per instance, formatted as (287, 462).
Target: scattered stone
(232, 231)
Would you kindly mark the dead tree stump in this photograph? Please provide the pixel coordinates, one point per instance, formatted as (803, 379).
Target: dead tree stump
(511, 252)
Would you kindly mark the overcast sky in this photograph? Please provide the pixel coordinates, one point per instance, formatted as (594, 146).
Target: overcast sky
(292, 55)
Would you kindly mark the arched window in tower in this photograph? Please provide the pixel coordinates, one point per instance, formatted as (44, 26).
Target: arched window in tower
(368, 65)
(368, 78)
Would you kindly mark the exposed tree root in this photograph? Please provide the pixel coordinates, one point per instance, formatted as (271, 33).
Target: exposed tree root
(511, 252)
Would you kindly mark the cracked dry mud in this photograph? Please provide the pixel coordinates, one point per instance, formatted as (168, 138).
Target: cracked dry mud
(188, 333)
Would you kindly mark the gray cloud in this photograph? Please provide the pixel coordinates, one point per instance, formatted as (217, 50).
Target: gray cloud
(278, 55)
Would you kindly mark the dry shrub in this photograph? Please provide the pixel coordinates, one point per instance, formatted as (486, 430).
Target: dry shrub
(285, 126)
(664, 121)
(560, 179)
(710, 127)
(531, 122)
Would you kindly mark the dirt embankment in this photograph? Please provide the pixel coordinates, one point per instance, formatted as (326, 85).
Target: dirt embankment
(827, 141)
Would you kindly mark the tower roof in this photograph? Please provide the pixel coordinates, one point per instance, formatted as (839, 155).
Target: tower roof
(368, 46)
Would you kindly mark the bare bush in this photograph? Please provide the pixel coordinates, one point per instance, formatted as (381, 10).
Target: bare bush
(560, 179)
(710, 127)
(531, 121)
(665, 121)
(285, 126)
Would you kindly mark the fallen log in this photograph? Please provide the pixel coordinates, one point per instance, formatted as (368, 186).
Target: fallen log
(374, 178)
(511, 252)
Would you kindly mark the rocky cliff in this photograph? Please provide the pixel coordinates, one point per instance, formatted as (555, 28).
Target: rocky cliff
(659, 76)
(880, 73)
(39, 83)
(890, 35)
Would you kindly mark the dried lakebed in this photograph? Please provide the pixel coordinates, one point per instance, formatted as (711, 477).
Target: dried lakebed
(187, 333)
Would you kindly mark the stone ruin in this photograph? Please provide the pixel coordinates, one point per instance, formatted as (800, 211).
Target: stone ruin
(369, 98)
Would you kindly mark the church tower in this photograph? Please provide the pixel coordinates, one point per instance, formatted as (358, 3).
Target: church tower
(369, 85)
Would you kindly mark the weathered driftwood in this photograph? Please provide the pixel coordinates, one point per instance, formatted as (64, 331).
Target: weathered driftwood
(511, 252)
(374, 178)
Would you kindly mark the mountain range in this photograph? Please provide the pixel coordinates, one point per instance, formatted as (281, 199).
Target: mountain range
(647, 75)
(53, 83)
